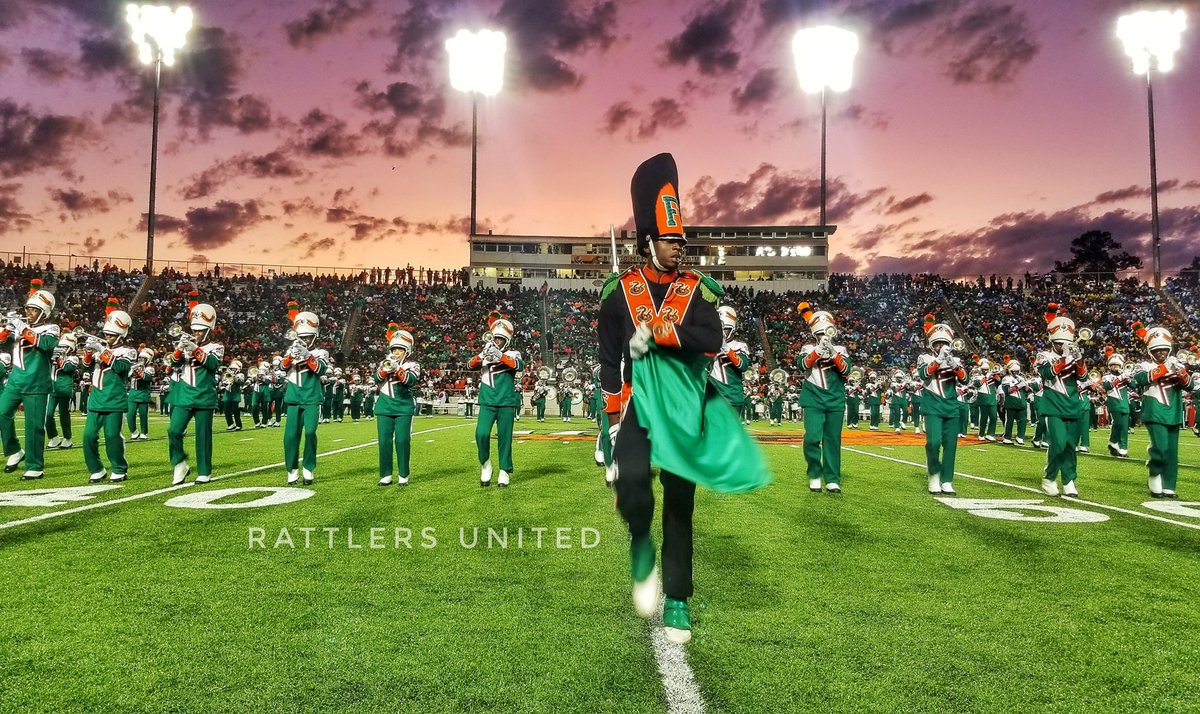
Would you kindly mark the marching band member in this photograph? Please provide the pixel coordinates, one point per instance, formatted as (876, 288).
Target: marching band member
(397, 377)
(339, 395)
(196, 358)
(5, 367)
(111, 362)
(369, 392)
(657, 327)
(141, 379)
(1061, 367)
(539, 399)
(604, 449)
(1015, 389)
(874, 393)
(985, 399)
(942, 373)
(775, 403)
(1037, 390)
(33, 339)
(470, 395)
(230, 387)
(356, 397)
(305, 366)
(1087, 391)
(278, 391)
(260, 396)
(728, 369)
(63, 368)
(564, 403)
(823, 400)
(1163, 380)
(498, 400)
(327, 381)
(1116, 391)
(853, 402)
(897, 403)
(916, 389)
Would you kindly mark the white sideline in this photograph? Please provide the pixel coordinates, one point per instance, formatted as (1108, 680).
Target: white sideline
(169, 489)
(1040, 492)
(679, 684)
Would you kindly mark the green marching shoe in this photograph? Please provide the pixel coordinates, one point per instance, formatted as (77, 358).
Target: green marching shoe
(645, 575)
(677, 621)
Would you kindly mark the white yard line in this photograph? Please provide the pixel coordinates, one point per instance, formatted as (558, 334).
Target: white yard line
(679, 684)
(169, 489)
(1118, 509)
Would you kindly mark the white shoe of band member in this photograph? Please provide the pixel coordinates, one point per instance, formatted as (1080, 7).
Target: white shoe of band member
(814, 485)
(66, 444)
(293, 476)
(1007, 441)
(948, 487)
(1169, 493)
(935, 483)
(1020, 442)
(203, 479)
(645, 594)
(485, 472)
(1050, 487)
(15, 459)
(599, 456)
(833, 487)
(401, 480)
(117, 477)
(1123, 452)
(1069, 489)
(135, 436)
(386, 480)
(181, 472)
(98, 476)
(610, 473)
(502, 480)
(1155, 485)
(989, 437)
(308, 477)
(54, 443)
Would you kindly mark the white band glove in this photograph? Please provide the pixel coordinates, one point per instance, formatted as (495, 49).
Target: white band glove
(17, 325)
(640, 343)
(94, 345)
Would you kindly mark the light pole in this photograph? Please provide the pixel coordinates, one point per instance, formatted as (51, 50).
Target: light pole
(159, 33)
(477, 67)
(824, 60)
(1152, 37)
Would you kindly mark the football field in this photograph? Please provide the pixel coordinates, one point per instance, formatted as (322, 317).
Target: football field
(441, 596)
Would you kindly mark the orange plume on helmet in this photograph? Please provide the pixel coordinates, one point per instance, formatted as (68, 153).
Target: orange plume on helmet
(293, 309)
(1108, 351)
(493, 316)
(1052, 311)
(805, 310)
(1139, 329)
(110, 305)
(930, 321)
(35, 285)
(392, 328)
(193, 299)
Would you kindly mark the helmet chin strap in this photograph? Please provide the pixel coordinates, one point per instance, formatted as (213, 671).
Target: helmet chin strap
(654, 261)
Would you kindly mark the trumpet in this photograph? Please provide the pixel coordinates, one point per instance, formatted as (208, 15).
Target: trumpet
(779, 375)
(1085, 334)
(1187, 357)
(855, 374)
(958, 344)
(388, 365)
(183, 341)
(253, 373)
(1094, 375)
(82, 334)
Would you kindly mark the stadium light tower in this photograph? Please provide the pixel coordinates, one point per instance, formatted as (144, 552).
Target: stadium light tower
(159, 32)
(1152, 37)
(476, 67)
(824, 60)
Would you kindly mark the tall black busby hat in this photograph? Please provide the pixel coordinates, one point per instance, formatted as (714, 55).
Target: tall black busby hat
(655, 192)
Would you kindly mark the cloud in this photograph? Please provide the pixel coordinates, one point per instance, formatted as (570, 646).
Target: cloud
(545, 34)
(663, 114)
(708, 39)
(331, 18)
(45, 65)
(770, 196)
(12, 218)
(207, 228)
(76, 204)
(415, 118)
(92, 244)
(1136, 191)
(274, 164)
(324, 135)
(989, 44)
(30, 142)
(759, 92)
(906, 204)
(313, 244)
(418, 35)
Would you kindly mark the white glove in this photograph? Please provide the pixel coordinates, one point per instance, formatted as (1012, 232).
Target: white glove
(945, 355)
(494, 353)
(301, 353)
(639, 344)
(94, 345)
(17, 325)
(954, 363)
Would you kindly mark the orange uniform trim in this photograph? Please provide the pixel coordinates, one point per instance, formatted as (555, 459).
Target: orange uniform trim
(674, 307)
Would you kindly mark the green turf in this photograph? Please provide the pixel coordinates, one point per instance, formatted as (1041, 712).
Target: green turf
(882, 599)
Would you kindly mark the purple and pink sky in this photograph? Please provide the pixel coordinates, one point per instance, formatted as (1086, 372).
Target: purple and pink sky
(980, 136)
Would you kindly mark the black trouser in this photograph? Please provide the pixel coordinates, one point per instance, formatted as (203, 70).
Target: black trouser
(635, 501)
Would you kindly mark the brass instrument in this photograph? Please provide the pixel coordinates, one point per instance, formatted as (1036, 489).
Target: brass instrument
(81, 333)
(1187, 357)
(544, 372)
(570, 374)
(855, 374)
(1094, 376)
(779, 375)
(253, 373)
(388, 365)
(1085, 334)
(958, 344)
(183, 340)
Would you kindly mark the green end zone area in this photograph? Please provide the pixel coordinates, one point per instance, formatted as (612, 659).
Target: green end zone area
(880, 599)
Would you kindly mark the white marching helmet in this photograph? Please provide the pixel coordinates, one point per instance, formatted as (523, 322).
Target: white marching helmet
(940, 332)
(42, 300)
(68, 341)
(1061, 329)
(306, 324)
(402, 339)
(502, 328)
(202, 317)
(1013, 366)
(117, 323)
(729, 319)
(1115, 360)
(235, 365)
(146, 354)
(1159, 338)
